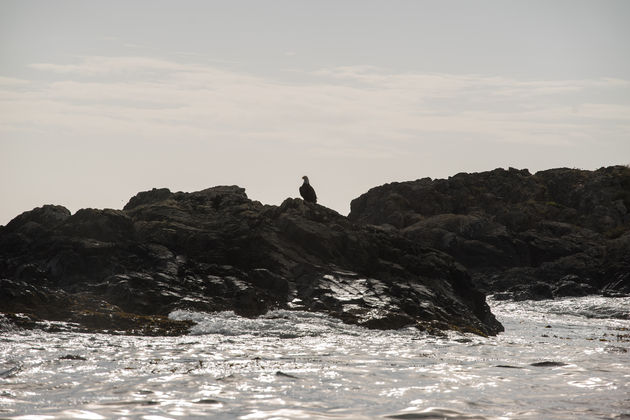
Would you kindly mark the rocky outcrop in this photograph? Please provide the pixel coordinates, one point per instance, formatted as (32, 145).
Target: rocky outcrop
(560, 232)
(215, 250)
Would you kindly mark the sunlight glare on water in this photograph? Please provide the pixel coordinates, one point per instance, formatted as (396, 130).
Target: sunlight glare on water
(560, 359)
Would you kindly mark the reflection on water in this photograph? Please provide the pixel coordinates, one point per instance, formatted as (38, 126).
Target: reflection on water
(557, 359)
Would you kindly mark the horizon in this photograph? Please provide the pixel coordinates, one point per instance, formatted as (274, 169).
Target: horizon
(99, 101)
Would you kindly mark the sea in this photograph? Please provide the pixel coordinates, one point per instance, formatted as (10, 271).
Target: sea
(557, 359)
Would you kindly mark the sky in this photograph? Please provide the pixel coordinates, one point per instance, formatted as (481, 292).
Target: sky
(102, 99)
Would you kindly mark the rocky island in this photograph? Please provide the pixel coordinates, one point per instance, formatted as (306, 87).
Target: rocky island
(423, 253)
(217, 250)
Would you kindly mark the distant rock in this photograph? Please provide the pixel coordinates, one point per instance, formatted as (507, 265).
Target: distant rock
(217, 250)
(548, 364)
(515, 232)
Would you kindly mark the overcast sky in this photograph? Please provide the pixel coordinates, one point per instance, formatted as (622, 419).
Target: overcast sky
(100, 100)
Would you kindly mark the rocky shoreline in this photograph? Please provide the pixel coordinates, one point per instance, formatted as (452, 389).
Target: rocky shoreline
(422, 253)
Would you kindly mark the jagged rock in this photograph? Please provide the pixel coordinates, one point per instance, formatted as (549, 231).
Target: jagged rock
(512, 229)
(620, 287)
(216, 250)
(47, 216)
(536, 291)
(572, 285)
(30, 306)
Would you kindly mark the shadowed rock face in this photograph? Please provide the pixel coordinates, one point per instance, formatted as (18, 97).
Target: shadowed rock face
(560, 232)
(217, 250)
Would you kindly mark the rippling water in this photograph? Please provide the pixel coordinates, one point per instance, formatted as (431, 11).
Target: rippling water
(557, 360)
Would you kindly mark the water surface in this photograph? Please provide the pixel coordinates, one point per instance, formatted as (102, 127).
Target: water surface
(561, 359)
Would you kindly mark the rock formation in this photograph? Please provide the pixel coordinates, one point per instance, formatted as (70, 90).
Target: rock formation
(215, 250)
(560, 232)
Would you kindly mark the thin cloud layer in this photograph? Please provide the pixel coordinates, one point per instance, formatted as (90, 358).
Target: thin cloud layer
(346, 106)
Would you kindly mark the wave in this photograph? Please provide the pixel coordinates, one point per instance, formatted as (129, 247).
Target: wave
(588, 307)
(278, 324)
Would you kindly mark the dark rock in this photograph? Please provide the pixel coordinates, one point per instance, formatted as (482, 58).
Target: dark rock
(72, 357)
(572, 285)
(503, 296)
(548, 364)
(265, 279)
(536, 291)
(47, 216)
(512, 229)
(28, 306)
(148, 197)
(620, 287)
(101, 225)
(207, 401)
(285, 375)
(216, 250)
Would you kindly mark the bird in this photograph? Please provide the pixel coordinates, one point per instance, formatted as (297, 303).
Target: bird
(307, 192)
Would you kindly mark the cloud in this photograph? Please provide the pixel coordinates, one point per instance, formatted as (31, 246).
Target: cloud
(12, 82)
(98, 65)
(332, 111)
(451, 85)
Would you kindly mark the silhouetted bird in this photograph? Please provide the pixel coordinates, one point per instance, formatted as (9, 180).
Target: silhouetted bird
(307, 192)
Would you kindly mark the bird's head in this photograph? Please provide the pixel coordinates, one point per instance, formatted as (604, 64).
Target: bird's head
(305, 178)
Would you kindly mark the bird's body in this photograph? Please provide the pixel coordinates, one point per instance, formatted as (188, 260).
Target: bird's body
(307, 192)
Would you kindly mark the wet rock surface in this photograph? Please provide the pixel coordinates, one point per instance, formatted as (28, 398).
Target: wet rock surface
(216, 250)
(560, 232)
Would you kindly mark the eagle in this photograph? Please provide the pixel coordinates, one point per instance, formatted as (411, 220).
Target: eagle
(307, 192)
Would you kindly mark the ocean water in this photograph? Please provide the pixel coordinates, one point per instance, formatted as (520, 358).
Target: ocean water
(562, 359)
